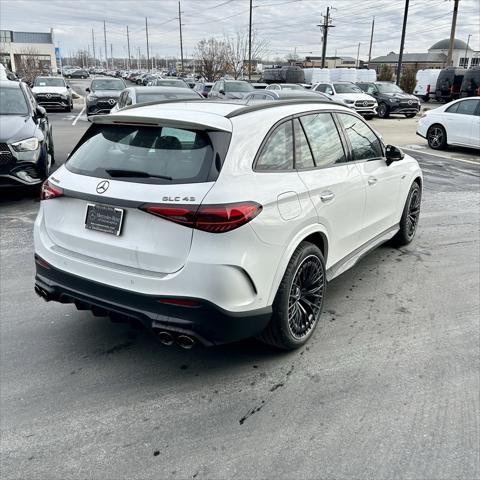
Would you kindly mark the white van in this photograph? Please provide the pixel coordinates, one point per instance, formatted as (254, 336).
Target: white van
(426, 81)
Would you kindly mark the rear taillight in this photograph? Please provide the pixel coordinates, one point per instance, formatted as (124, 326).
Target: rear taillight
(452, 89)
(50, 191)
(209, 218)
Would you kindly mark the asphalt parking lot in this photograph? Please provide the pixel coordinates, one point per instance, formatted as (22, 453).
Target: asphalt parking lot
(387, 387)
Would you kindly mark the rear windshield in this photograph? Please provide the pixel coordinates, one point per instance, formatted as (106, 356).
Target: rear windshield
(153, 96)
(162, 155)
(238, 87)
(172, 83)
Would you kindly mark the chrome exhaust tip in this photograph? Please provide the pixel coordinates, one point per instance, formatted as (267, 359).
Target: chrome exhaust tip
(42, 293)
(185, 342)
(165, 338)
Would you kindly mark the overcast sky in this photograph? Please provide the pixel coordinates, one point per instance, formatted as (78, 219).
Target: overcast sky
(285, 24)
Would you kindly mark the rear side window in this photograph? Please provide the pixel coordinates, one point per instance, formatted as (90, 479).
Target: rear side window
(365, 144)
(162, 155)
(467, 107)
(324, 139)
(277, 151)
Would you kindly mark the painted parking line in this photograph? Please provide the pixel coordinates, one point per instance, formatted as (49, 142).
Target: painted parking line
(421, 151)
(81, 112)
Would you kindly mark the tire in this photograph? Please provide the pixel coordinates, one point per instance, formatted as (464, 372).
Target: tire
(437, 137)
(383, 111)
(296, 310)
(368, 117)
(46, 163)
(426, 98)
(51, 149)
(410, 217)
(410, 115)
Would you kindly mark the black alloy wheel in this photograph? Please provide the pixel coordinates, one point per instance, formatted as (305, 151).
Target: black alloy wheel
(297, 308)
(410, 217)
(437, 137)
(306, 297)
(382, 111)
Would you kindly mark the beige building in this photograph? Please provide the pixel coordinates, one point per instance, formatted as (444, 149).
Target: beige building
(18, 48)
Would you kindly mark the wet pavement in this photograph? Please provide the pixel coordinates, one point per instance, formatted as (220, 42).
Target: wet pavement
(388, 386)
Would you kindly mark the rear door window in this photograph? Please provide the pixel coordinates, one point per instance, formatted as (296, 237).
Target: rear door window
(324, 139)
(303, 154)
(142, 154)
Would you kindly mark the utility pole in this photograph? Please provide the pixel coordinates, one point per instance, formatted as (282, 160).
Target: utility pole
(452, 33)
(128, 48)
(105, 39)
(358, 56)
(466, 51)
(148, 51)
(181, 38)
(402, 42)
(371, 40)
(325, 26)
(93, 46)
(139, 65)
(250, 43)
(111, 55)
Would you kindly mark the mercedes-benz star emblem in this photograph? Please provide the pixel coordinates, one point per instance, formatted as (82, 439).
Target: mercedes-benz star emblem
(410, 102)
(365, 103)
(111, 101)
(48, 95)
(102, 187)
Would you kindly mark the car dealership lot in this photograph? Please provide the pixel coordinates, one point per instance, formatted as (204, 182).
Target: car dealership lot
(387, 387)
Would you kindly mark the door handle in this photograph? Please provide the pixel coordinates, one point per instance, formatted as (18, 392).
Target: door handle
(372, 181)
(327, 196)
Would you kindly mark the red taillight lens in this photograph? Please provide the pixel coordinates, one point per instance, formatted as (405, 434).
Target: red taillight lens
(452, 89)
(209, 218)
(50, 191)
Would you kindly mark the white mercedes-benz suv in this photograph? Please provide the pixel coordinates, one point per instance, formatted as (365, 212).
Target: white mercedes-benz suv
(213, 221)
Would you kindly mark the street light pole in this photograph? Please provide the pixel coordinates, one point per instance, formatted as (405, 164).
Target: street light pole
(402, 42)
(250, 43)
(466, 51)
(148, 52)
(181, 38)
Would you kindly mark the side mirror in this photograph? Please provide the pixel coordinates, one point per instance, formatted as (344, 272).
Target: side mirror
(40, 112)
(68, 86)
(221, 92)
(87, 90)
(393, 154)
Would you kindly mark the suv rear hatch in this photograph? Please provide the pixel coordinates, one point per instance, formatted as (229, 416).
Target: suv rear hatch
(102, 212)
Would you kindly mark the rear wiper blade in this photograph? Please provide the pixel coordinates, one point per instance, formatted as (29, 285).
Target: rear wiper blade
(134, 173)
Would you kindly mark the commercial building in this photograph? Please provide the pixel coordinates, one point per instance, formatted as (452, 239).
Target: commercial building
(20, 49)
(330, 62)
(435, 57)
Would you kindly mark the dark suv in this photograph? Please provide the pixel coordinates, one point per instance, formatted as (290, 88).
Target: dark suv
(26, 146)
(103, 95)
(448, 85)
(391, 99)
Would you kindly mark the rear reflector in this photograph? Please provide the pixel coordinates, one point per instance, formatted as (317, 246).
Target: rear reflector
(181, 302)
(50, 191)
(209, 218)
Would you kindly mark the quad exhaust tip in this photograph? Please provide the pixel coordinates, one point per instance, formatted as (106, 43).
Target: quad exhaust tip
(185, 342)
(165, 338)
(42, 293)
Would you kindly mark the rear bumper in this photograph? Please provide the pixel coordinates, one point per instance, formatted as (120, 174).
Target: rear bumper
(208, 323)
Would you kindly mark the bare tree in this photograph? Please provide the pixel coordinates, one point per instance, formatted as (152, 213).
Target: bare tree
(237, 52)
(211, 56)
(29, 65)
